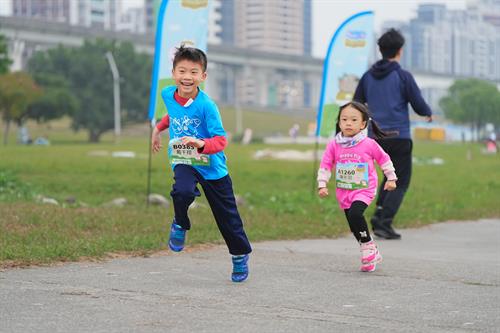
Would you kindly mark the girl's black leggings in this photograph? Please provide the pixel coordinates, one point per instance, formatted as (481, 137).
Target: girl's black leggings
(357, 222)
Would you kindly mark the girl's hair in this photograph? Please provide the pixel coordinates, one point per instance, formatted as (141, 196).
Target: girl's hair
(365, 113)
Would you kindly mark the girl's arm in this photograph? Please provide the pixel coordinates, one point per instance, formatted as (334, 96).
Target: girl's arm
(326, 166)
(389, 171)
(383, 159)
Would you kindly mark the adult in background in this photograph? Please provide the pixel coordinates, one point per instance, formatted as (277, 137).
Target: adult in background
(387, 89)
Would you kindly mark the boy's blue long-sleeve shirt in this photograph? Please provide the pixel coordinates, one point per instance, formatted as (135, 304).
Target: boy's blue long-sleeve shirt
(388, 89)
(201, 119)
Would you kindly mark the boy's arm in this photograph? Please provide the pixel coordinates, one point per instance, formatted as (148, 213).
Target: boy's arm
(213, 145)
(155, 137)
(217, 140)
(163, 124)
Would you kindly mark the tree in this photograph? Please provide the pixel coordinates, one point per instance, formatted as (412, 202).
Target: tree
(473, 102)
(53, 104)
(88, 78)
(17, 92)
(4, 55)
(57, 100)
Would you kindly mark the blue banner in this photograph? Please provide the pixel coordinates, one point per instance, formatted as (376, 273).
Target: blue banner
(346, 61)
(179, 22)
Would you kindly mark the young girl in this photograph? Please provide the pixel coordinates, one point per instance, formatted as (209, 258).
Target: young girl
(352, 154)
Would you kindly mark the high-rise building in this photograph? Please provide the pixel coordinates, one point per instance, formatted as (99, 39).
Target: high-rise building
(274, 26)
(151, 8)
(459, 43)
(225, 20)
(104, 14)
(282, 27)
(133, 21)
(462, 43)
(307, 32)
(214, 19)
(489, 10)
(54, 10)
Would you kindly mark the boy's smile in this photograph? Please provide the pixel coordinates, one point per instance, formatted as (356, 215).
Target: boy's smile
(188, 76)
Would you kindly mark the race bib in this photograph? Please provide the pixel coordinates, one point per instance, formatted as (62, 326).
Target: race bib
(184, 154)
(352, 176)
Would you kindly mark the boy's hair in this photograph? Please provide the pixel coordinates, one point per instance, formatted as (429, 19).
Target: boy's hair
(365, 113)
(390, 43)
(192, 54)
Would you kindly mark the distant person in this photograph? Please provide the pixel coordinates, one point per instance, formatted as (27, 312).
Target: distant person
(491, 143)
(24, 136)
(294, 132)
(197, 141)
(352, 154)
(387, 89)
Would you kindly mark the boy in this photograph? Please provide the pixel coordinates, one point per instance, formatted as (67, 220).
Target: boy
(387, 89)
(197, 141)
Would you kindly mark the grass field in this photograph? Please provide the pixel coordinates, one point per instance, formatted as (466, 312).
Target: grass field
(279, 202)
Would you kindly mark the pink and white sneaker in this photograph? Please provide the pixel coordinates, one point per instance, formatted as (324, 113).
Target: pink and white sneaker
(370, 256)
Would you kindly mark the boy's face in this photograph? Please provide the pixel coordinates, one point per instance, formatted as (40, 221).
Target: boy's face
(188, 75)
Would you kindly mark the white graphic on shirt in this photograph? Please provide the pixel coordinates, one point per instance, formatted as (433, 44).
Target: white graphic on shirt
(185, 126)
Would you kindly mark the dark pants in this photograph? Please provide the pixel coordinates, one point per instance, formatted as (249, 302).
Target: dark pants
(220, 196)
(388, 202)
(357, 222)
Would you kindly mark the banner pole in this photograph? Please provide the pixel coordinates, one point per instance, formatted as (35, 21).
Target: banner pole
(148, 191)
(315, 166)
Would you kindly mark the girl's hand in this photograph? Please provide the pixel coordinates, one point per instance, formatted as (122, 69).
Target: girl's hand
(390, 185)
(194, 142)
(156, 141)
(323, 192)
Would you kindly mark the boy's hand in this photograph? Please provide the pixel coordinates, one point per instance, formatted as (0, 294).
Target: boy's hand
(428, 119)
(156, 141)
(323, 192)
(194, 142)
(390, 185)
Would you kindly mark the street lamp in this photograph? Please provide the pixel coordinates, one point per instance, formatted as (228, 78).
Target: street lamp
(116, 92)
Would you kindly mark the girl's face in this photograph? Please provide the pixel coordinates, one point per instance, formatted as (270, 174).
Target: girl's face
(351, 121)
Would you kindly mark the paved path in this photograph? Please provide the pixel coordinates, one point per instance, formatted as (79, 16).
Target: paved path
(441, 278)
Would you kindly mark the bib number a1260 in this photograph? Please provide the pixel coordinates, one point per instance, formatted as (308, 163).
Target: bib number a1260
(352, 176)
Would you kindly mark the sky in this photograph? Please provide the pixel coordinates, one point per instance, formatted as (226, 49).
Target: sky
(329, 14)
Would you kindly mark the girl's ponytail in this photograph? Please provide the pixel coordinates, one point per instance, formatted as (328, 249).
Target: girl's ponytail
(377, 131)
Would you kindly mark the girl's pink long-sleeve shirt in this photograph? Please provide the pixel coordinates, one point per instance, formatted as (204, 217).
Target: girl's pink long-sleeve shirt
(367, 151)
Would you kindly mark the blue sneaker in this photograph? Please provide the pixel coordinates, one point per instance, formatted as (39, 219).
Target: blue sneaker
(240, 268)
(177, 238)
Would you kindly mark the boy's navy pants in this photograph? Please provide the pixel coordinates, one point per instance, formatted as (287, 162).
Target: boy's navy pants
(220, 196)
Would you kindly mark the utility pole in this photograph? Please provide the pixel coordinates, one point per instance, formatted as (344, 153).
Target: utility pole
(116, 92)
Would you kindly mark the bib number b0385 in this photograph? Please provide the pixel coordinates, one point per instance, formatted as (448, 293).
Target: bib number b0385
(184, 154)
